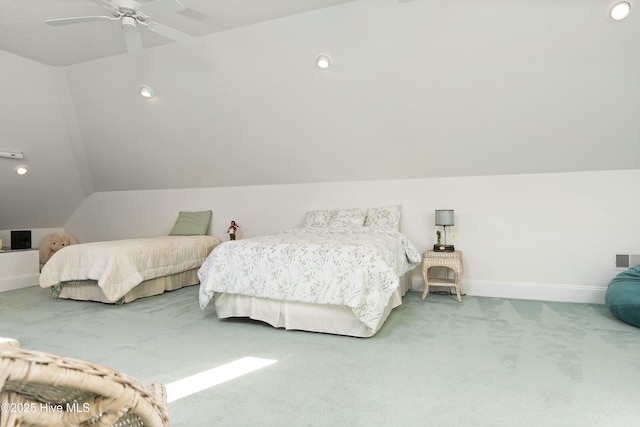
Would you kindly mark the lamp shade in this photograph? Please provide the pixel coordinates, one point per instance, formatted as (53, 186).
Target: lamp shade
(444, 217)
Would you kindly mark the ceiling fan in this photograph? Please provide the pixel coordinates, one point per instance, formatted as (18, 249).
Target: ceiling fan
(134, 15)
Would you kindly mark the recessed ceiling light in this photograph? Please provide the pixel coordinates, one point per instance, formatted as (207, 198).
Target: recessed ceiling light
(619, 10)
(323, 61)
(21, 170)
(146, 91)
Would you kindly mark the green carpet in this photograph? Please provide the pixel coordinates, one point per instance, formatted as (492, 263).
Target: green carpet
(485, 362)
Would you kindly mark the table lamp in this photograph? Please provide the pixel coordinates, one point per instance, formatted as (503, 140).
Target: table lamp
(444, 219)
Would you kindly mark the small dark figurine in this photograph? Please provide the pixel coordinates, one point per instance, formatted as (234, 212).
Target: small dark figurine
(438, 236)
(231, 231)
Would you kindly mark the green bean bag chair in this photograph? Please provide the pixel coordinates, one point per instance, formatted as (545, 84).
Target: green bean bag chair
(623, 296)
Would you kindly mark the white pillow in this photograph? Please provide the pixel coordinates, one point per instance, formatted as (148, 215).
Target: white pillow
(387, 218)
(348, 218)
(318, 218)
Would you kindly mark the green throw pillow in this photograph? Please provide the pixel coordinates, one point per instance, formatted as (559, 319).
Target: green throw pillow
(192, 224)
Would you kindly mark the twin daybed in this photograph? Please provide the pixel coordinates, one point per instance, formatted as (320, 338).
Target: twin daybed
(342, 273)
(121, 271)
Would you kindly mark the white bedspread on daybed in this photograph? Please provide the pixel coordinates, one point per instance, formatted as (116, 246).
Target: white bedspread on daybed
(120, 265)
(358, 267)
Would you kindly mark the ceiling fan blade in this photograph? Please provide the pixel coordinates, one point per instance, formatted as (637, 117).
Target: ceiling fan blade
(106, 4)
(196, 16)
(132, 39)
(173, 34)
(161, 7)
(79, 20)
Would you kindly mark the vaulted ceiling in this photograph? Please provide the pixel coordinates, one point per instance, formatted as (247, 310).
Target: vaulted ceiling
(22, 29)
(421, 88)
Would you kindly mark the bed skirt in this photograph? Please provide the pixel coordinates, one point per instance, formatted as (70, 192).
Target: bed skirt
(326, 318)
(88, 290)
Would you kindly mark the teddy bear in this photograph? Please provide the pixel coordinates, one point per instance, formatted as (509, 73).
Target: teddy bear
(53, 243)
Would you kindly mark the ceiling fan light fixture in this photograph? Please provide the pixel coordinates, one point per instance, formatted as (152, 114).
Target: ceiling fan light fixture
(146, 92)
(128, 21)
(323, 61)
(619, 10)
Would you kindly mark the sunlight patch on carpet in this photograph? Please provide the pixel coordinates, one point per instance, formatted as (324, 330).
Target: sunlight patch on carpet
(212, 377)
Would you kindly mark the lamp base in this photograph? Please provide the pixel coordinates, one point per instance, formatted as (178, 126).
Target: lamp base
(443, 248)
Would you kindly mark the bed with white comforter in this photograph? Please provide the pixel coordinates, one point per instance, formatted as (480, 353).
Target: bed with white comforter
(337, 280)
(122, 270)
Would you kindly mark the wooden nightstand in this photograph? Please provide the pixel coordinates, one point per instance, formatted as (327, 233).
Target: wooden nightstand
(452, 260)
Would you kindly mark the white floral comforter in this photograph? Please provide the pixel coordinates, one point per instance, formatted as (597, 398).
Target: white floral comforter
(120, 265)
(358, 268)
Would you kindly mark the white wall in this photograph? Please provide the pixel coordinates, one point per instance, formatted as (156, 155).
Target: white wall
(35, 119)
(539, 236)
(465, 89)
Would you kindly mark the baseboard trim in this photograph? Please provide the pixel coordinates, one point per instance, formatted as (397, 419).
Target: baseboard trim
(529, 291)
(536, 291)
(480, 288)
(10, 283)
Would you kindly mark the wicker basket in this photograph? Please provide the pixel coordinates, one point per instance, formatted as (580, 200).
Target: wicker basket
(41, 389)
(9, 342)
